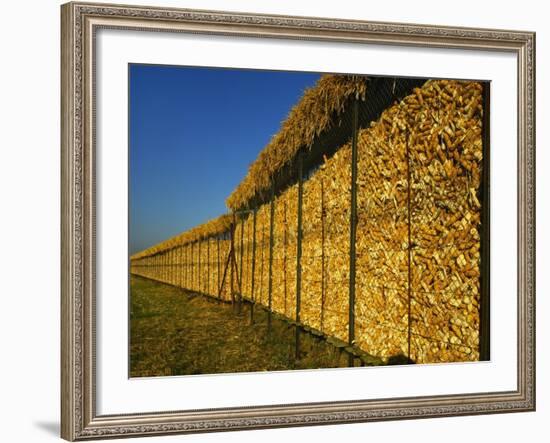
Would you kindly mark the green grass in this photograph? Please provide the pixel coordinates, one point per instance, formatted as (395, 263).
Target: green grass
(174, 332)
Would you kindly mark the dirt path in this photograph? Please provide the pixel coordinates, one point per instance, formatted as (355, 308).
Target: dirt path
(175, 333)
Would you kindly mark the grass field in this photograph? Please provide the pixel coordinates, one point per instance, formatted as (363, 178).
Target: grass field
(173, 332)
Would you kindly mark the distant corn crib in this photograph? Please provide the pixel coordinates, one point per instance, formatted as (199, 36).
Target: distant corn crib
(364, 220)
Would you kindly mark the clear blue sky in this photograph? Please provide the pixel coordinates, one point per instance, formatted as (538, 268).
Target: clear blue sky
(193, 134)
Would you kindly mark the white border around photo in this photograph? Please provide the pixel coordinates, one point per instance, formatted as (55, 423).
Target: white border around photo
(116, 393)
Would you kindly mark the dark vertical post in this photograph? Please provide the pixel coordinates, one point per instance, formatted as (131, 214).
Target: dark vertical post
(174, 267)
(285, 241)
(252, 283)
(218, 260)
(248, 258)
(178, 266)
(323, 289)
(241, 263)
(208, 265)
(232, 260)
(171, 260)
(163, 266)
(183, 269)
(200, 266)
(353, 229)
(484, 311)
(168, 265)
(299, 253)
(270, 280)
(409, 286)
(262, 242)
(193, 266)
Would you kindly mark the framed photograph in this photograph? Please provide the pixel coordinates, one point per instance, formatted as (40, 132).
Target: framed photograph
(283, 221)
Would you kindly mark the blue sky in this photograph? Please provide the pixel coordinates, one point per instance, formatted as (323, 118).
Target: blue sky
(193, 134)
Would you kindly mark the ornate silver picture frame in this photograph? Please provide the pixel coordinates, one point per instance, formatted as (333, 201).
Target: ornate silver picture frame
(80, 24)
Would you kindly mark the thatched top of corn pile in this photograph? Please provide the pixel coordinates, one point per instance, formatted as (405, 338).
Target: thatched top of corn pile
(312, 115)
(210, 228)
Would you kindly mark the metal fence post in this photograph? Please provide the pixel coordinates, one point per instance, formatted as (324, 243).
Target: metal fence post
(484, 305)
(409, 288)
(186, 260)
(353, 230)
(218, 261)
(163, 275)
(262, 242)
(178, 266)
(270, 279)
(200, 266)
(192, 263)
(285, 252)
(252, 283)
(169, 266)
(299, 254)
(241, 263)
(166, 266)
(232, 261)
(208, 265)
(323, 289)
